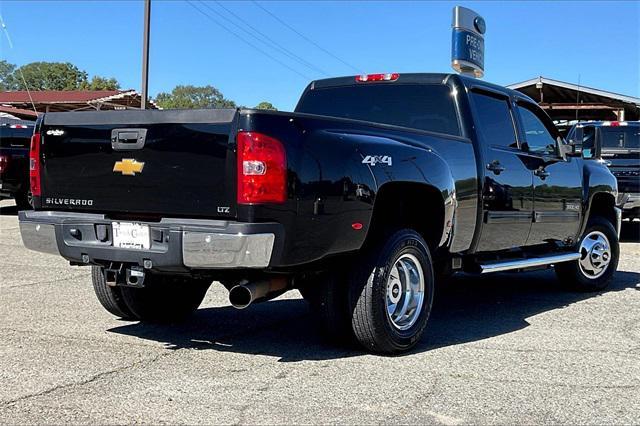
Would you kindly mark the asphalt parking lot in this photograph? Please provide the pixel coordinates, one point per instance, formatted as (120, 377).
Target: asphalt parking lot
(508, 348)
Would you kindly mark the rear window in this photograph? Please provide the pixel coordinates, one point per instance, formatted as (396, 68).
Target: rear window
(15, 137)
(418, 106)
(621, 137)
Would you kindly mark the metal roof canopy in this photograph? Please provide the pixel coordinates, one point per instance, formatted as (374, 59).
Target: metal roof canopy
(568, 101)
(72, 100)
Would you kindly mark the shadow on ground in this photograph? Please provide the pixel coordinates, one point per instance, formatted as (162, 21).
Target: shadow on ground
(9, 210)
(466, 309)
(630, 232)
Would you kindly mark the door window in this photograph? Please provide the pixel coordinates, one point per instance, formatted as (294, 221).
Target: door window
(494, 122)
(539, 139)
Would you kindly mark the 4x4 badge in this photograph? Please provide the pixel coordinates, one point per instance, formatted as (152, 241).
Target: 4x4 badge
(128, 167)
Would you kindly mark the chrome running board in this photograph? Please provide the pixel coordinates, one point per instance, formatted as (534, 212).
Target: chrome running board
(527, 263)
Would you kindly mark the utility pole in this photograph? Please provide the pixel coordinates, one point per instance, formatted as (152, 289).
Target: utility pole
(145, 54)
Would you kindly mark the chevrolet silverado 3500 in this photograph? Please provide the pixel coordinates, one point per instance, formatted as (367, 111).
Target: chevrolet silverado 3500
(373, 187)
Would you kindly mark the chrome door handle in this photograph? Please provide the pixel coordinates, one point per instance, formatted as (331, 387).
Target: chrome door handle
(542, 173)
(495, 167)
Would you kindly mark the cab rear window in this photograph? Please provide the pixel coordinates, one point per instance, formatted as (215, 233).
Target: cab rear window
(418, 106)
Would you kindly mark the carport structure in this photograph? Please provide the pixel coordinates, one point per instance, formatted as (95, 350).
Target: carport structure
(72, 100)
(569, 102)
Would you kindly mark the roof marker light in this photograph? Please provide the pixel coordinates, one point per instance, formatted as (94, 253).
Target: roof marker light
(366, 78)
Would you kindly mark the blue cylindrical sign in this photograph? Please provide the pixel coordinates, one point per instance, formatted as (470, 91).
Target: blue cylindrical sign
(467, 42)
(468, 47)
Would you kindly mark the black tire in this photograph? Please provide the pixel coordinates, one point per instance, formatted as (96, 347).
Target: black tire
(109, 297)
(23, 201)
(371, 324)
(574, 277)
(327, 295)
(165, 298)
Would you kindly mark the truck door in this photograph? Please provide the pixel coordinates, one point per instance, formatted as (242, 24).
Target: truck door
(507, 184)
(557, 184)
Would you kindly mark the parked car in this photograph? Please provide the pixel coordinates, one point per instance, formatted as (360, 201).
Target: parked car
(373, 187)
(618, 144)
(15, 136)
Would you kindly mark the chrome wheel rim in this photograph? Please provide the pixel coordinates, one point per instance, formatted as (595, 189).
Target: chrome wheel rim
(595, 254)
(405, 292)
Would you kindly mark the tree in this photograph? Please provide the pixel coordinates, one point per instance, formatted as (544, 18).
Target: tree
(51, 76)
(7, 77)
(266, 105)
(188, 96)
(101, 83)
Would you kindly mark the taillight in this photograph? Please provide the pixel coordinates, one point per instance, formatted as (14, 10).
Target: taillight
(4, 163)
(34, 165)
(365, 78)
(262, 169)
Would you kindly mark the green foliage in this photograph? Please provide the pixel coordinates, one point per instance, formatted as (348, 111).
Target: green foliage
(101, 83)
(189, 97)
(51, 76)
(266, 105)
(7, 79)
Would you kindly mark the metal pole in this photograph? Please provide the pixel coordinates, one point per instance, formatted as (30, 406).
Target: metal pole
(145, 54)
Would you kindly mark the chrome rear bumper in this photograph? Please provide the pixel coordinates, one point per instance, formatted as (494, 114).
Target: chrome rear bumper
(175, 243)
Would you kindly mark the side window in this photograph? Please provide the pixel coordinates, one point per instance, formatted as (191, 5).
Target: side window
(495, 124)
(537, 136)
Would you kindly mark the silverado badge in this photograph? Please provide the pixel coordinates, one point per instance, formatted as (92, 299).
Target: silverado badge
(128, 167)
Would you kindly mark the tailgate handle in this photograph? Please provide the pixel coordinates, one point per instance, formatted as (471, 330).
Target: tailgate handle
(128, 139)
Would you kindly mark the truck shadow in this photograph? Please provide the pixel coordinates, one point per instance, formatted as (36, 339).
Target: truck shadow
(8, 210)
(466, 309)
(630, 231)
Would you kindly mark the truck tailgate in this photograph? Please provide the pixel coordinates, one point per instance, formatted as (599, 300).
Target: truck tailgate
(166, 163)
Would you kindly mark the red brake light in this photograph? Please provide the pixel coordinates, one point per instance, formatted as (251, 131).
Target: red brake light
(4, 162)
(365, 78)
(262, 169)
(34, 165)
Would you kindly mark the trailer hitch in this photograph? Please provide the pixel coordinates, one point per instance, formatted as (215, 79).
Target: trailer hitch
(117, 274)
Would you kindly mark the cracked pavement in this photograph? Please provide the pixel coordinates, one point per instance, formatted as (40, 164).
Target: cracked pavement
(507, 348)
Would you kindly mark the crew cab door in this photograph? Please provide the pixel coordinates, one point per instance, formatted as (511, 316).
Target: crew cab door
(557, 184)
(507, 186)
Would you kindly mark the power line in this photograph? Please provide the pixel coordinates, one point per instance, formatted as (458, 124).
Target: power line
(274, 16)
(274, 44)
(26, 86)
(241, 38)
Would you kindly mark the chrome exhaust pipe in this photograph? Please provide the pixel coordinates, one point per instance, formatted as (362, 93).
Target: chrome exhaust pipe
(243, 295)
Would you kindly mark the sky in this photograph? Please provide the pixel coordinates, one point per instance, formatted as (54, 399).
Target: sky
(594, 43)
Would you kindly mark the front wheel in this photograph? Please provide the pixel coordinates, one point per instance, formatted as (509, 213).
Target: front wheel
(391, 294)
(599, 254)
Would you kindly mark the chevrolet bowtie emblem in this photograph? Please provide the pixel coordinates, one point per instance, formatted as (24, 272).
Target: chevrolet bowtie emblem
(128, 167)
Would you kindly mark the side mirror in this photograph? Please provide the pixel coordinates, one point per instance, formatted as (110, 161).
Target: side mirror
(564, 149)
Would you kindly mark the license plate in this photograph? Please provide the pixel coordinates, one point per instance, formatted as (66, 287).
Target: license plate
(131, 235)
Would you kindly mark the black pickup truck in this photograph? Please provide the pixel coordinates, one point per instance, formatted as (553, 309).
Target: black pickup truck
(15, 136)
(374, 186)
(617, 144)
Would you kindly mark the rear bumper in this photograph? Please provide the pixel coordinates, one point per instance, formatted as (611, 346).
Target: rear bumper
(176, 244)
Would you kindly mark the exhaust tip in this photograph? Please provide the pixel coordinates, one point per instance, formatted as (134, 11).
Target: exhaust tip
(240, 297)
